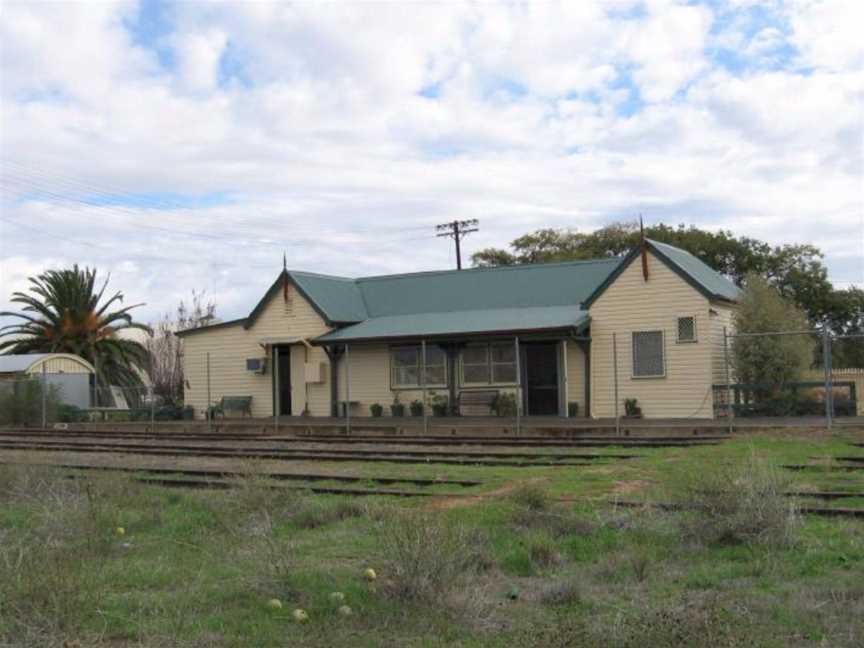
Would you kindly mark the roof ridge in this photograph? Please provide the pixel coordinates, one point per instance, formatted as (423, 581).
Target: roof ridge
(513, 267)
(577, 306)
(320, 275)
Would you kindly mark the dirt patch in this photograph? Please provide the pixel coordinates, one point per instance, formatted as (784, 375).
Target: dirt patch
(445, 503)
(632, 486)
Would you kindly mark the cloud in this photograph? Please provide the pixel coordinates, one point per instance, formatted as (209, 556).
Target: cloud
(191, 151)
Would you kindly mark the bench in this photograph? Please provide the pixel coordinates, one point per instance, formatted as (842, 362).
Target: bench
(352, 404)
(241, 404)
(472, 401)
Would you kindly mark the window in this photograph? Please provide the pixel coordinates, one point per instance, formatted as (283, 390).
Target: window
(686, 329)
(406, 364)
(475, 365)
(648, 360)
(485, 364)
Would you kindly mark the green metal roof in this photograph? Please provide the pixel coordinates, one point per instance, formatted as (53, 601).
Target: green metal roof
(712, 282)
(425, 302)
(338, 297)
(519, 286)
(498, 320)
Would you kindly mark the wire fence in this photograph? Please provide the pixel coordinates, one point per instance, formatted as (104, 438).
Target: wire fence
(799, 375)
(737, 378)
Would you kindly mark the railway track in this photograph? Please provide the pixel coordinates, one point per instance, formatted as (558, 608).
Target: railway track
(824, 467)
(811, 510)
(223, 474)
(591, 442)
(337, 451)
(374, 456)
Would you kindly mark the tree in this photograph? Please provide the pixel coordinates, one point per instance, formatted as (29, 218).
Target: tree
(165, 349)
(796, 271)
(65, 314)
(769, 360)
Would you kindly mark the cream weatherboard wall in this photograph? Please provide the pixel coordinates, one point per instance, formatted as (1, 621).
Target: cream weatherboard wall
(722, 315)
(576, 376)
(230, 346)
(631, 304)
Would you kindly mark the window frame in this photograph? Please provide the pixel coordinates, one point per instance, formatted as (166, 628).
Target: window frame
(490, 366)
(633, 374)
(418, 366)
(678, 339)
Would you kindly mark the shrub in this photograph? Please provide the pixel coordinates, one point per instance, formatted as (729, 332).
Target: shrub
(426, 556)
(543, 553)
(70, 414)
(556, 524)
(738, 503)
(21, 402)
(531, 497)
(504, 404)
(562, 592)
(318, 513)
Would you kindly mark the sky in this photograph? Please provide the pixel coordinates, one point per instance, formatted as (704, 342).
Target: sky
(190, 145)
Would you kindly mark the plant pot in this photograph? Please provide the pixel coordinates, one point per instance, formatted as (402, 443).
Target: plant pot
(376, 410)
(439, 410)
(416, 409)
(397, 410)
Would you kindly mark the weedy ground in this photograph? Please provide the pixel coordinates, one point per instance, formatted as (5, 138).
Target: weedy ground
(534, 557)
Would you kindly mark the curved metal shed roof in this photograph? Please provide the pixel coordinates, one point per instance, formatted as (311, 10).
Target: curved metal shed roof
(25, 362)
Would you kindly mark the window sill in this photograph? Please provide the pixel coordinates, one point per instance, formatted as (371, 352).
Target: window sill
(416, 387)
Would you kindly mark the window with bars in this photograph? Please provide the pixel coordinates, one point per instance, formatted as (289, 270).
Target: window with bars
(686, 329)
(406, 364)
(486, 364)
(648, 354)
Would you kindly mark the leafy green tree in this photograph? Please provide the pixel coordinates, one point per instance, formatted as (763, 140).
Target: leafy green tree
(64, 313)
(796, 271)
(770, 360)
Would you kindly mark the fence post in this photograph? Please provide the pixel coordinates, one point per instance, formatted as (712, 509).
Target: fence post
(152, 409)
(518, 389)
(826, 362)
(423, 386)
(730, 410)
(274, 354)
(44, 397)
(347, 390)
(615, 380)
(209, 409)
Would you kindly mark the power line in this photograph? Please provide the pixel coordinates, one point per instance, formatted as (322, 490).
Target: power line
(457, 230)
(49, 182)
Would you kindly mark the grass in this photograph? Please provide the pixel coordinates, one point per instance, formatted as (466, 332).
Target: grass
(542, 560)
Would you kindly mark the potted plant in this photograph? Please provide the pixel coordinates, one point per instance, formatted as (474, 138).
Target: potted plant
(572, 409)
(377, 410)
(631, 408)
(504, 404)
(416, 408)
(397, 408)
(439, 404)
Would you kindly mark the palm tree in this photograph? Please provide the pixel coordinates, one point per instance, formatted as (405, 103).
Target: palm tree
(63, 314)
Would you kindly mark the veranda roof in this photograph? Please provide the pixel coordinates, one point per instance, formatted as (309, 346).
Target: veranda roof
(466, 322)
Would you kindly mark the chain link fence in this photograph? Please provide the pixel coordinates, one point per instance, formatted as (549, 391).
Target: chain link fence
(790, 375)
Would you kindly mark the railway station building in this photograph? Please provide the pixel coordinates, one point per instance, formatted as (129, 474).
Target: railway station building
(574, 339)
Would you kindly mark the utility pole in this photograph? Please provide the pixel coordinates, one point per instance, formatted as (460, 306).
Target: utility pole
(456, 230)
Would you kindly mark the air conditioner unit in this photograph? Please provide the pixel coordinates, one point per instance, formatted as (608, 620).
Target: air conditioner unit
(314, 372)
(256, 365)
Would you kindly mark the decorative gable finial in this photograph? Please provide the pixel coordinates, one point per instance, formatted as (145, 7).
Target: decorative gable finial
(643, 248)
(284, 277)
